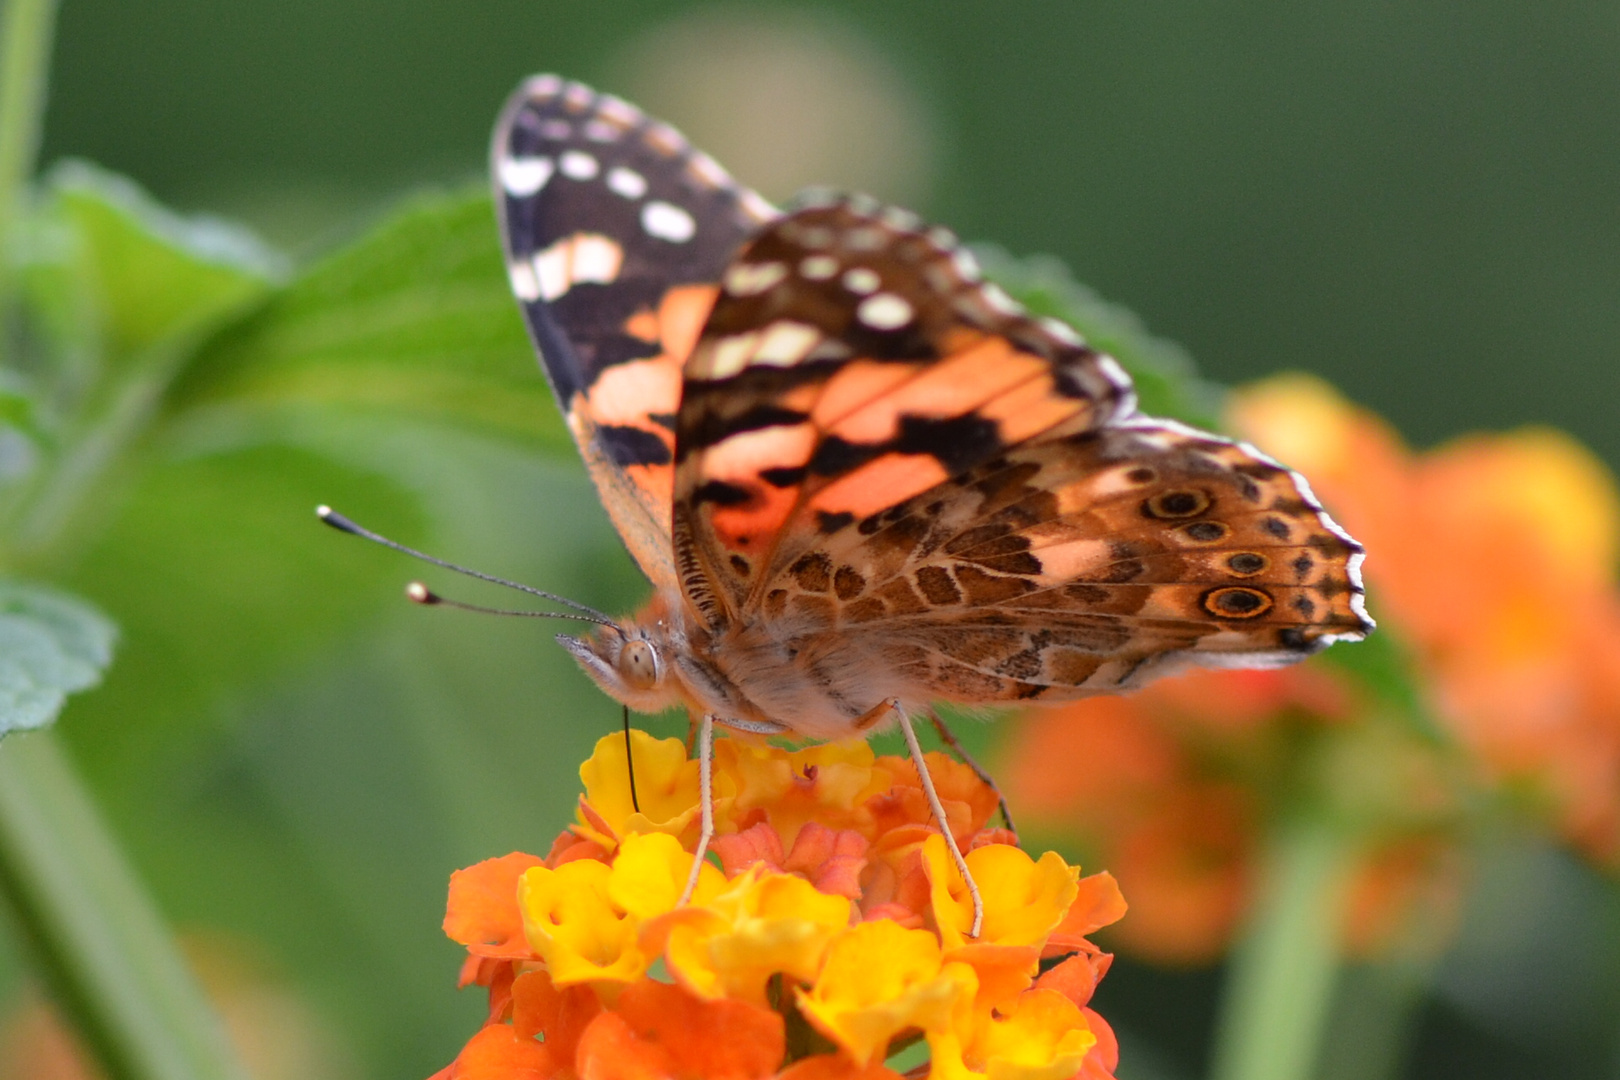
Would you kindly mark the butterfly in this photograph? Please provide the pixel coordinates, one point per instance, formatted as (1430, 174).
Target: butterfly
(860, 478)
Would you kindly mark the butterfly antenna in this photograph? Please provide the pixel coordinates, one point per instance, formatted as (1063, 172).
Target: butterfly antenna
(630, 762)
(419, 593)
(343, 524)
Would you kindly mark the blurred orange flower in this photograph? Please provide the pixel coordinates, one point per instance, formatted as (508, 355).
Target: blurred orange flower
(833, 937)
(1494, 559)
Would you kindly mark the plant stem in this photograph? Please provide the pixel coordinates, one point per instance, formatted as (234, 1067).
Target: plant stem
(1282, 972)
(100, 943)
(25, 53)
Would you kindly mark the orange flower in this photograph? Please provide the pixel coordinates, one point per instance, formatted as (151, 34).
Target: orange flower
(1494, 558)
(801, 931)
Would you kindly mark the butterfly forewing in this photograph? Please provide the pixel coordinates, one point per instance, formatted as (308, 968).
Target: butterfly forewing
(616, 232)
(852, 360)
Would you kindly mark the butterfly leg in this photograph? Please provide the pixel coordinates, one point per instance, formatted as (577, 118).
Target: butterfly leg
(705, 801)
(949, 739)
(939, 814)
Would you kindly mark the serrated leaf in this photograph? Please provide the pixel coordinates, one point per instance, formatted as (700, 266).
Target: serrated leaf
(1167, 382)
(51, 645)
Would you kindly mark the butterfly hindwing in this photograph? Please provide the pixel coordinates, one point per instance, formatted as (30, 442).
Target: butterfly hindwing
(1089, 563)
(852, 360)
(616, 233)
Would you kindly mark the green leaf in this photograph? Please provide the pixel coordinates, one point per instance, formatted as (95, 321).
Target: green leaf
(414, 320)
(51, 645)
(145, 274)
(1167, 383)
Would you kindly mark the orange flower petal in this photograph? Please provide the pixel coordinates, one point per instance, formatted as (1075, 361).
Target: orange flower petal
(835, 1067)
(660, 1032)
(483, 911)
(499, 1053)
(561, 1014)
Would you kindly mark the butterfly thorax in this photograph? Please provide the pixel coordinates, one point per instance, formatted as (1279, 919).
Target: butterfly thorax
(757, 672)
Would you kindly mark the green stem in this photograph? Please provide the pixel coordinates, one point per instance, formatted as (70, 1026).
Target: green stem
(100, 943)
(25, 54)
(1374, 1016)
(1282, 972)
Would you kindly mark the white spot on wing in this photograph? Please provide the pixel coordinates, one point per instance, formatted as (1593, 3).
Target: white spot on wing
(523, 176)
(596, 258)
(861, 280)
(525, 285)
(996, 298)
(818, 267)
(667, 221)
(884, 311)
(783, 344)
(751, 279)
(557, 129)
(729, 356)
(707, 170)
(551, 269)
(618, 110)
(574, 259)
(626, 182)
(543, 86)
(1062, 331)
(578, 165)
(600, 131)
(755, 207)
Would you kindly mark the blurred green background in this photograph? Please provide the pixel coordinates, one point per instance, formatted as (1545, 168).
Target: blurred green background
(1418, 201)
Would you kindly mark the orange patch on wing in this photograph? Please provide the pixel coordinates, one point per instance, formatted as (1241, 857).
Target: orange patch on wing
(742, 457)
(625, 394)
(681, 316)
(749, 527)
(1029, 409)
(880, 484)
(644, 325)
(952, 387)
(855, 384)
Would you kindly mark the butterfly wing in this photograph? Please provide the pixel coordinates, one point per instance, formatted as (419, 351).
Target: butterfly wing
(615, 232)
(1091, 563)
(921, 491)
(852, 360)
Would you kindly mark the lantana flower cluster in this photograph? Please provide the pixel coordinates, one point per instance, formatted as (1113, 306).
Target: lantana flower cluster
(831, 935)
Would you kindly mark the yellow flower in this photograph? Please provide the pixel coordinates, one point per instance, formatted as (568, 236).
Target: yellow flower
(829, 783)
(1024, 899)
(880, 979)
(1043, 1037)
(649, 873)
(666, 788)
(573, 924)
(761, 924)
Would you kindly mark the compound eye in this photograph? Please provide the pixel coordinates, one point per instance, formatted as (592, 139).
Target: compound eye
(638, 663)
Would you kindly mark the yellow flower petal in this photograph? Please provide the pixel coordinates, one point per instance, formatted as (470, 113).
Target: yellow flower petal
(762, 924)
(880, 979)
(829, 783)
(1024, 899)
(666, 787)
(1044, 1037)
(649, 874)
(576, 928)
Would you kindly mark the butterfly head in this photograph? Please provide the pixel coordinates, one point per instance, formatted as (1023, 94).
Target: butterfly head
(630, 661)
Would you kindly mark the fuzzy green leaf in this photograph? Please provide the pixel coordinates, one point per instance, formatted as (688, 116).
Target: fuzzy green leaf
(51, 645)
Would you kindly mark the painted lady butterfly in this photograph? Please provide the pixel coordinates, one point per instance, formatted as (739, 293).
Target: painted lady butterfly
(860, 478)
